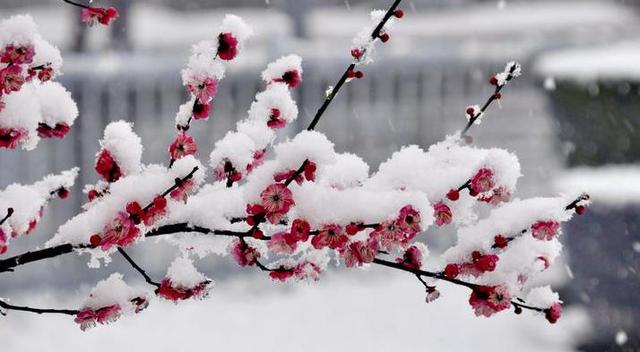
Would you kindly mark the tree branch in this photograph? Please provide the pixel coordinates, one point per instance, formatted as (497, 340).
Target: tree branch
(8, 306)
(144, 274)
(6, 217)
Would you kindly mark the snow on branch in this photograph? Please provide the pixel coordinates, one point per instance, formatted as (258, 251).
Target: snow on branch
(31, 105)
(291, 212)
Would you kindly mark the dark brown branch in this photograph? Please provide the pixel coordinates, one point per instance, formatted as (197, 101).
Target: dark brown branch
(440, 276)
(6, 217)
(76, 4)
(144, 274)
(494, 96)
(8, 306)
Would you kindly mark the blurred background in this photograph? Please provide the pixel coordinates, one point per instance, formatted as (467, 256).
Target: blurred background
(572, 118)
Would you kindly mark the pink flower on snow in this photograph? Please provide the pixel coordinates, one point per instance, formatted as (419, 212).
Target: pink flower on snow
(545, 230)
(275, 119)
(227, 46)
(553, 313)
(292, 78)
(204, 90)
(11, 79)
(244, 254)
(409, 221)
(389, 234)
(277, 199)
(482, 181)
(411, 258)
(499, 195)
(258, 158)
(58, 131)
(168, 290)
(88, 317)
(182, 146)
(283, 243)
(360, 252)
(45, 73)
(95, 15)
(182, 192)
(9, 137)
(3, 242)
(300, 230)
(17, 55)
(331, 236)
(120, 232)
(442, 213)
(487, 300)
(201, 110)
(107, 166)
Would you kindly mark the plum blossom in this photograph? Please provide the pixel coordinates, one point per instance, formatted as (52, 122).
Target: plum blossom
(11, 79)
(227, 46)
(479, 264)
(203, 89)
(120, 232)
(170, 291)
(58, 131)
(292, 78)
(500, 195)
(412, 258)
(181, 193)
(482, 181)
(3, 242)
(107, 167)
(300, 229)
(432, 294)
(389, 234)
(331, 236)
(442, 213)
(360, 252)
(17, 55)
(409, 221)
(201, 110)
(10, 137)
(277, 199)
(545, 230)
(488, 300)
(182, 146)
(244, 254)
(94, 15)
(553, 313)
(87, 317)
(283, 243)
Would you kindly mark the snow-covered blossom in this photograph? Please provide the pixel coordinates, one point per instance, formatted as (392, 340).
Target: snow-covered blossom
(275, 106)
(183, 281)
(233, 33)
(363, 45)
(412, 256)
(108, 301)
(277, 199)
(244, 254)
(360, 252)
(121, 152)
(182, 146)
(545, 230)
(94, 15)
(488, 300)
(332, 236)
(287, 69)
(442, 213)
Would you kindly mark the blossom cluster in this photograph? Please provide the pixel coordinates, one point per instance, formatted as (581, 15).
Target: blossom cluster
(22, 206)
(32, 106)
(293, 211)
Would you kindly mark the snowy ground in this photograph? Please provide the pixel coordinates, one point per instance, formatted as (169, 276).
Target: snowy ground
(345, 311)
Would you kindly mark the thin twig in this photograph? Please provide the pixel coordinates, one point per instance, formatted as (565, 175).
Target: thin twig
(144, 274)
